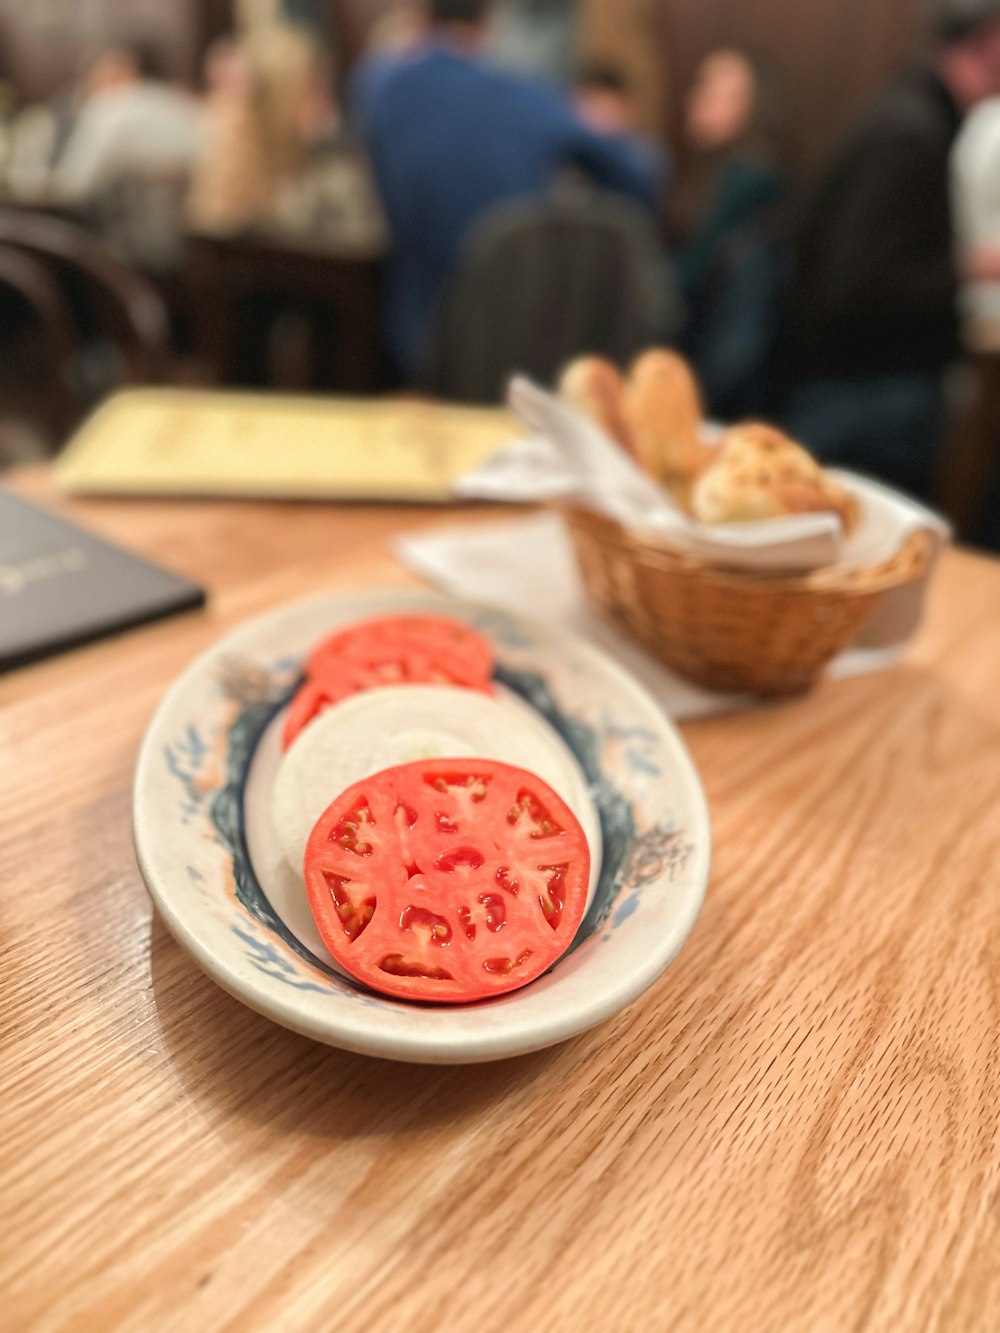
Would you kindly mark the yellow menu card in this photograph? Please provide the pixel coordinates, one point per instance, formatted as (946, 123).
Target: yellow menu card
(256, 445)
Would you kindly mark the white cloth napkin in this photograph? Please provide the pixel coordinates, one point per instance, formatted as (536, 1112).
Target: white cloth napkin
(567, 456)
(527, 565)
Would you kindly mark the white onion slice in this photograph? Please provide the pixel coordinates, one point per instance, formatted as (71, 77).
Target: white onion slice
(392, 725)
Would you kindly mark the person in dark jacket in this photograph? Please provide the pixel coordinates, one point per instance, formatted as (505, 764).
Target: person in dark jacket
(450, 135)
(727, 224)
(872, 321)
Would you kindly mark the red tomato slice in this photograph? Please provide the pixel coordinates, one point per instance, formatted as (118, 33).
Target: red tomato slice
(464, 653)
(321, 691)
(309, 700)
(447, 879)
(393, 650)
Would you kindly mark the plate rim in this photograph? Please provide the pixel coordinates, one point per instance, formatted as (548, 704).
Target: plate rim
(424, 1047)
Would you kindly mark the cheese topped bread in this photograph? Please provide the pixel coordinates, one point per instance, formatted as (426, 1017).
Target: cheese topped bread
(759, 473)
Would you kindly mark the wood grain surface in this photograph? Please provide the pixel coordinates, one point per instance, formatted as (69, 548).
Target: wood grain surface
(794, 1129)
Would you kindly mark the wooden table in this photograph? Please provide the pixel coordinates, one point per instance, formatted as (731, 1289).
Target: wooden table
(796, 1128)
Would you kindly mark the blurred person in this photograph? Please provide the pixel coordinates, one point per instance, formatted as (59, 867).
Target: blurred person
(726, 222)
(250, 15)
(872, 326)
(130, 119)
(450, 136)
(230, 184)
(605, 100)
(32, 138)
(535, 37)
(313, 14)
(399, 28)
(732, 177)
(976, 211)
(629, 35)
(976, 207)
(40, 131)
(119, 67)
(276, 156)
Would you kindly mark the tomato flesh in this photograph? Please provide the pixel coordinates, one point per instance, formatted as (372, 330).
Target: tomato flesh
(392, 650)
(447, 880)
(465, 652)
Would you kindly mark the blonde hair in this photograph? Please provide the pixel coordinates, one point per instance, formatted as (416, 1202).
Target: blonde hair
(251, 14)
(285, 65)
(256, 138)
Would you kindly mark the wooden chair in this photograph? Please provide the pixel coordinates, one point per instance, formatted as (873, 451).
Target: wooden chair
(37, 345)
(108, 300)
(541, 280)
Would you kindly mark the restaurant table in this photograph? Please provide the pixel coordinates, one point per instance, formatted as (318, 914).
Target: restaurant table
(794, 1128)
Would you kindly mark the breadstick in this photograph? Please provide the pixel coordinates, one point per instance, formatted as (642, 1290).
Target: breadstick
(664, 410)
(595, 387)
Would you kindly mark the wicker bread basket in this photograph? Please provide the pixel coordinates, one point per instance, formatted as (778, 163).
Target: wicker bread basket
(727, 629)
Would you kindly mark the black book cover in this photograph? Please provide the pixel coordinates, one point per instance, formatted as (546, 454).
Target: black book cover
(62, 586)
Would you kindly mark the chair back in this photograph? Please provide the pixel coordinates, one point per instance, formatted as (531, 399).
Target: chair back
(110, 301)
(37, 350)
(541, 281)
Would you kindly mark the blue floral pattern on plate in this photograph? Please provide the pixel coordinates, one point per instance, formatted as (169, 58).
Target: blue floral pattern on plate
(191, 805)
(628, 863)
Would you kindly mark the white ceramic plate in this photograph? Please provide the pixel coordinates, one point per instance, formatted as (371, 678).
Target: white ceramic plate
(215, 872)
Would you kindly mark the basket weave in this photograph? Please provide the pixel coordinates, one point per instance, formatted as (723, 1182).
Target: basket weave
(727, 629)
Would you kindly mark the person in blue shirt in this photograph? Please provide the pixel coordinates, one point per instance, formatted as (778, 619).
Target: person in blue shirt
(451, 135)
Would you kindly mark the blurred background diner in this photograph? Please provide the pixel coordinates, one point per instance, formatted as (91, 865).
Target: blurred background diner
(423, 196)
